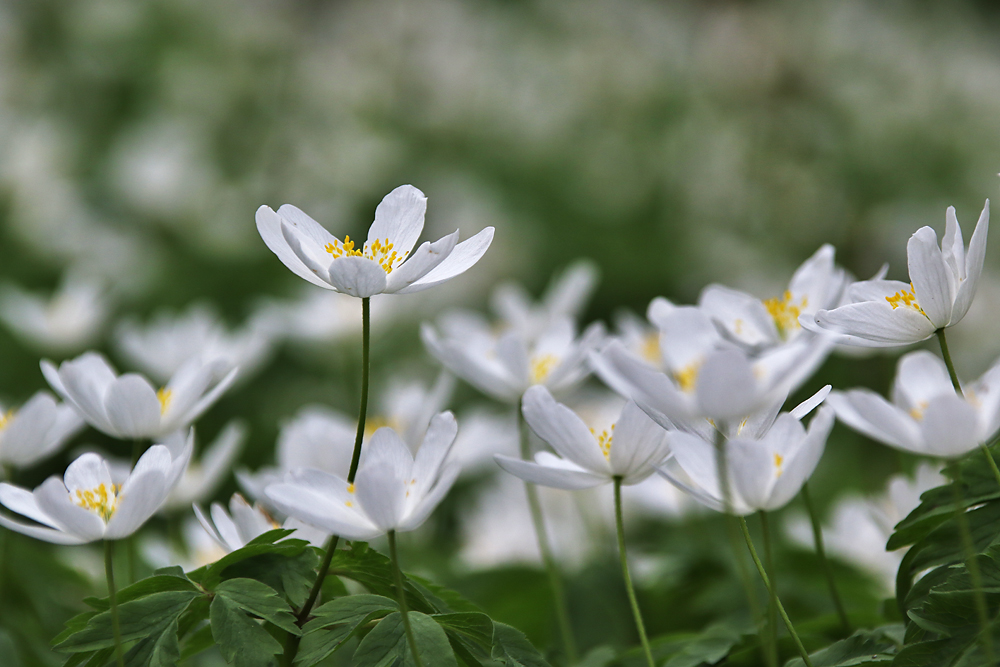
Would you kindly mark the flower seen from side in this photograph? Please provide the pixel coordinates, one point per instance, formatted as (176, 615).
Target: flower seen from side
(385, 262)
(36, 430)
(234, 529)
(68, 321)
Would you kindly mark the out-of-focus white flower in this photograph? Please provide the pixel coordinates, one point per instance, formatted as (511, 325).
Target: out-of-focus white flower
(68, 321)
(318, 317)
(925, 416)
(484, 432)
(162, 346)
(86, 505)
(629, 448)
(39, 428)
(640, 338)
(202, 477)
(860, 527)
(244, 522)
(393, 490)
(565, 297)
(384, 264)
(504, 364)
(128, 406)
(887, 313)
(766, 468)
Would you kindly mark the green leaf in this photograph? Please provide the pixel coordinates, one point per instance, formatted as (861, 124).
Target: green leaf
(862, 649)
(374, 571)
(710, 646)
(201, 640)
(387, 643)
(241, 640)
(144, 587)
(474, 626)
(140, 618)
(336, 621)
(432, 642)
(209, 576)
(292, 576)
(512, 648)
(156, 651)
(599, 656)
(259, 599)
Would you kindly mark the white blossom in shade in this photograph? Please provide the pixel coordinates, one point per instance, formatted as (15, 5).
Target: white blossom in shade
(565, 298)
(384, 264)
(629, 448)
(640, 338)
(926, 416)
(766, 468)
(859, 528)
(232, 530)
(943, 280)
(36, 430)
(319, 317)
(166, 343)
(87, 505)
(504, 364)
(203, 476)
(127, 406)
(67, 321)
(393, 489)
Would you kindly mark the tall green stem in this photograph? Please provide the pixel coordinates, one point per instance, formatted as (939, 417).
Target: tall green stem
(772, 605)
(821, 551)
(538, 521)
(109, 571)
(625, 574)
(946, 355)
(767, 582)
(401, 593)
(292, 641)
(970, 559)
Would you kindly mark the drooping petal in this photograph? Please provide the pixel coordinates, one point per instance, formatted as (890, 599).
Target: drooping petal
(973, 265)
(559, 426)
(950, 426)
(638, 444)
(867, 412)
(461, 259)
(421, 262)
(132, 407)
(357, 276)
(269, 227)
(42, 533)
(933, 284)
(558, 477)
(399, 219)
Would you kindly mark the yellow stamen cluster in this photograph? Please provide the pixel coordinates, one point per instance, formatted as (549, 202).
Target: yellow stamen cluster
(917, 412)
(102, 500)
(380, 252)
(778, 460)
(164, 395)
(651, 348)
(5, 418)
(905, 298)
(541, 366)
(604, 441)
(687, 377)
(785, 312)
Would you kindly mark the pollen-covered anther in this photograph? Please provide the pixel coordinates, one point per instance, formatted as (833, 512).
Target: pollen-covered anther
(785, 312)
(164, 395)
(604, 440)
(778, 460)
(905, 298)
(541, 366)
(917, 412)
(102, 500)
(687, 377)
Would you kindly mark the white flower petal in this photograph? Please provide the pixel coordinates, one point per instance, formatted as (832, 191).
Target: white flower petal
(752, 471)
(697, 458)
(801, 457)
(952, 245)
(357, 276)
(563, 430)
(726, 386)
(426, 504)
(876, 324)
(23, 502)
(210, 526)
(489, 378)
(322, 500)
(638, 445)
(867, 412)
(933, 284)
(437, 443)
(181, 420)
(461, 259)
(920, 377)
(42, 533)
(744, 317)
(651, 390)
(269, 227)
(556, 477)
(949, 427)
(421, 262)
(53, 499)
(399, 218)
(810, 404)
(973, 265)
(140, 497)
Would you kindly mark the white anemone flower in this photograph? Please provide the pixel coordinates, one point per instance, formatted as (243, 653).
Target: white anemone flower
(565, 298)
(234, 529)
(384, 264)
(319, 317)
(127, 406)
(160, 347)
(393, 490)
(202, 477)
(925, 416)
(68, 321)
(39, 428)
(504, 364)
(87, 505)
(630, 448)
(766, 468)
(943, 280)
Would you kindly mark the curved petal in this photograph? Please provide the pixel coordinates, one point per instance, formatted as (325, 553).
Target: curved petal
(744, 317)
(726, 386)
(53, 499)
(322, 500)
(88, 471)
(437, 443)
(426, 504)
(180, 420)
(475, 368)
(638, 444)
(461, 259)
(870, 414)
(933, 284)
(810, 404)
(140, 497)
(210, 526)
(875, 324)
(800, 461)
(357, 276)
(950, 426)
(973, 266)
(952, 245)
(567, 478)
(24, 438)
(920, 376)
(83, 383)
(383, 482)
(697, 458)
(23, 502)
(421, 262)
(650, 389)
(42, 533)
(132, 407)
(563, 430)
(269, 228)
(399, 219)
(753, 471)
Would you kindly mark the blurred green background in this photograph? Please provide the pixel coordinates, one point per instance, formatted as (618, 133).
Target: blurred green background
(674, 144)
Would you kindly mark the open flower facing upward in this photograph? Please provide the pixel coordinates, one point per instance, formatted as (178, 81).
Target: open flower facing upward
(925, 416)
(127, 406)
(630, 448)
(244, 522)
(393, 489)
(767, 466)
(39, 428)
(384, 263)
(86, 505)
(943, 280)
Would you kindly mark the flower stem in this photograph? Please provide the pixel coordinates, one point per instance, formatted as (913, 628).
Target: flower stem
(401, 593)
(109, 571)
(538, 521)
(292, 641)
(772, 606)
(628, 579)
(767, 582)
(970, 559)
(821, 551)
(946, 355)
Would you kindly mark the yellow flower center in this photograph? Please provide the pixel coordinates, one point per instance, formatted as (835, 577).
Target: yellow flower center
(102, 500)
(604, 441)
(785, 312)
(6, 418)
(373, 424)
(778, 460)
(651, 348)
(164, 395)
(905, 298)
(379, 251)
(918, 412)
(541, 366)
(687, 377)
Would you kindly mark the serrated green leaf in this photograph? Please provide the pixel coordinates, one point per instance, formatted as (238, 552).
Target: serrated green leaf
(140, 618)
(201, 640)
(476, 626)
(432, 643)
(209, 576)
(259, 599)
(142, 588)
(928, 654)
(242, 641)
(512, 648)
(291, 576)
(383, 645)
(73, 626)
(156, 651)
(347, 615)
(864, 648)
(710, 646)
(374, 571)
